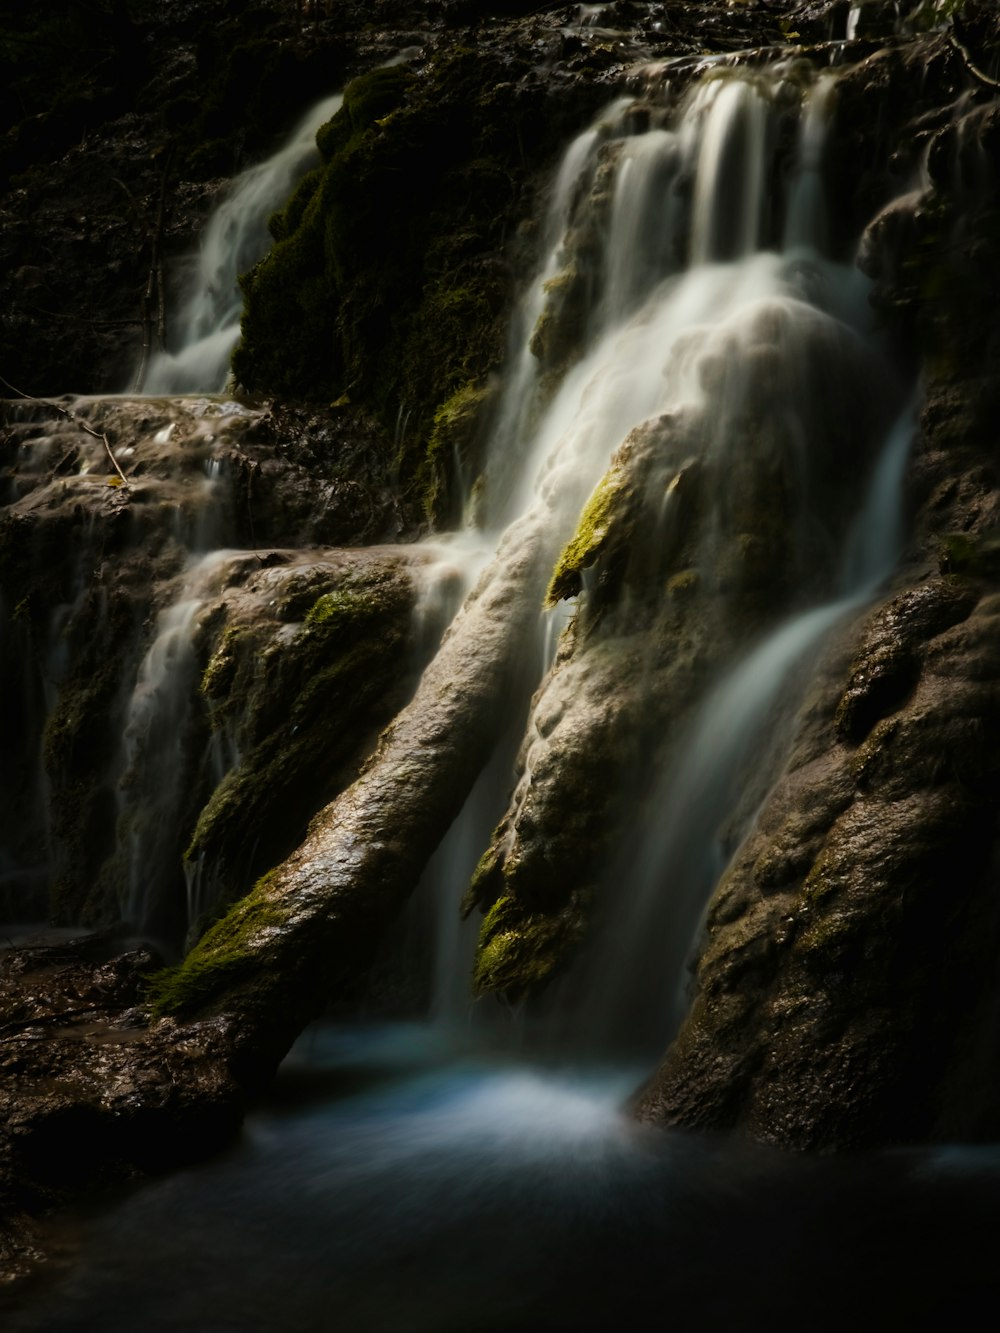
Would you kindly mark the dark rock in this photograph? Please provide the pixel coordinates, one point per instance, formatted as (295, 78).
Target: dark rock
(89, 1095)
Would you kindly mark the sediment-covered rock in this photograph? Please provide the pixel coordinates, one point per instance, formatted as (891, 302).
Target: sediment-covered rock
(156, 663)
(846, 991)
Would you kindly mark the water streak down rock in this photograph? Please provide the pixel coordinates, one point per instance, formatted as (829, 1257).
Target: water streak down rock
(301, 933)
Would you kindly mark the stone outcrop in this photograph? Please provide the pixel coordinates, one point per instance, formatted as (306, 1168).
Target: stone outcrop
(845, 996)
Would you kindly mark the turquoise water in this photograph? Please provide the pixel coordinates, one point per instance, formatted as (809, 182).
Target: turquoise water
(396, 1181)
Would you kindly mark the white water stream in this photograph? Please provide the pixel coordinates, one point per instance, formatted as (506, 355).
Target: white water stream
(208, 322)
(694, 316)
(711, 299)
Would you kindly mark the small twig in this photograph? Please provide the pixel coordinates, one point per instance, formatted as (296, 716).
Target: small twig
(107, 445)
(81, 319)
(118, 181)
(78, 420)
(970, 64)
(20, 1024)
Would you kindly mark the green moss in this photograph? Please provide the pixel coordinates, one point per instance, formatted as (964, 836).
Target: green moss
(368, 99)
(451, 453)
(975, 555)
(591, 537)
(487, 879)
(304, 710)
(322, 722)
(556, 338)
(343, 609)
(518, 951)
(681, 587)
(222, 956)
(514, 953)
(218, 675)
(385, 281)
(286, 221)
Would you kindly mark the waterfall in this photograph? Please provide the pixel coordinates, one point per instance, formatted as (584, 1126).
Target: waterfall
(689, 335)
(711, 302)
(160, 746)
(236, 236)
(683, 278)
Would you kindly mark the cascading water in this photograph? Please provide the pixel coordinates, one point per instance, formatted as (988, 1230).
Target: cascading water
(750, 349)
(155, 791)
(236, 236)
(397, 1197)
(155, 796)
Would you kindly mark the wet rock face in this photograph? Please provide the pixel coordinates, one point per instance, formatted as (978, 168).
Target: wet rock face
(89, 1097)
(845, 991)
(151, 670)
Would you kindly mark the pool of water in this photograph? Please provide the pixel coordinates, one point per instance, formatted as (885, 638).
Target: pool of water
(400, 1180)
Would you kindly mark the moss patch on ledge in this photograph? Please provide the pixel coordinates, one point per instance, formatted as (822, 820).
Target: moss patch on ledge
(221, 958)
(518, 952)
(592, 537)
(388, 279)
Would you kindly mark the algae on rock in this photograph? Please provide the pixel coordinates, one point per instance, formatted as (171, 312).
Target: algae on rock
(297, 695)
(408, 215)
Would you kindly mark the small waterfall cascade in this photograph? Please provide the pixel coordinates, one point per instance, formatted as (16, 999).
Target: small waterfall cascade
(161, 741)
(236, 236)
(686, 323)
(100, 550)
(696, 467)
(687, 315)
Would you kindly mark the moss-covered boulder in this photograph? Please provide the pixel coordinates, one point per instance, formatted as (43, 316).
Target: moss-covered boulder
(388, 282)
(312, 656)
(843, 995)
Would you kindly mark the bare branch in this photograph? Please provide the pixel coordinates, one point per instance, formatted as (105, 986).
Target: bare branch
(78, 420)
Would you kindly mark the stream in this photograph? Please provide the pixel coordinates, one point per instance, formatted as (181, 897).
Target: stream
(400, 1179)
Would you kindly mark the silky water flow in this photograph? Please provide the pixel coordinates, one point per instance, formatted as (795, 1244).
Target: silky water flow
(236, 236)
(424, 1176)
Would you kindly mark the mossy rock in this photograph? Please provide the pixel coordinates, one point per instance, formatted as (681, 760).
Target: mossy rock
(452, 454)
(387, 280)
(518, 952)
(220, 958)
(304, 703)
(973, 555)
(600, 523)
